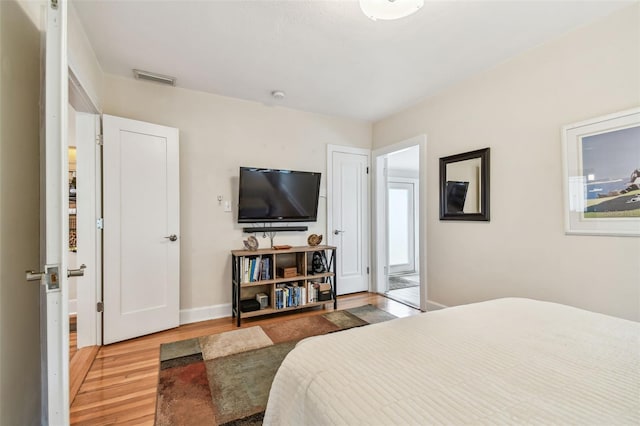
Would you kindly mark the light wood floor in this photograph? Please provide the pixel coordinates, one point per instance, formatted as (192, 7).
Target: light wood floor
(120, 387)
(73, 336)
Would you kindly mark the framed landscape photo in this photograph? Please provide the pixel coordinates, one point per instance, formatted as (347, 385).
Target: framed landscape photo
(602, 175)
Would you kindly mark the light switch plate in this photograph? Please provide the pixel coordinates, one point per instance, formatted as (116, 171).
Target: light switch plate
(227, 206)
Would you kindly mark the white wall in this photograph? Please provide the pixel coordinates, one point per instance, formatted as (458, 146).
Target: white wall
(19, 216)
(217, 136)
(517, 109)
(82, 59)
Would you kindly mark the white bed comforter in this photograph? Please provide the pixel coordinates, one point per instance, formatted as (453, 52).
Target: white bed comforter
(506, 361)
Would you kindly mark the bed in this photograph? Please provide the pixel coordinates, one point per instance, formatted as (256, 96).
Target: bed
(506, 361)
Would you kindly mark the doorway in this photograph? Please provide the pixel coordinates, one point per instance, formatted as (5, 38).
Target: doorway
(400, 222)
(73, 229)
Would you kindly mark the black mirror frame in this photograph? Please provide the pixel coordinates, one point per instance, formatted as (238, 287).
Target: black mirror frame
(483, 154)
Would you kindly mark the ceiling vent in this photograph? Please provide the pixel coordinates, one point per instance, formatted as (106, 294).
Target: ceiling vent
(156, 78)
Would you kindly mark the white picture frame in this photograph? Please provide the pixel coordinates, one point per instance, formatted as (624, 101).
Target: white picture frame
(601, 175)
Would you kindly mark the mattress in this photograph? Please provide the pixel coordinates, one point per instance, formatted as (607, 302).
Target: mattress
(506, 361)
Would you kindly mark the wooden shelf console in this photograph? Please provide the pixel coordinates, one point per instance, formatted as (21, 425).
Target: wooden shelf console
(286, 277)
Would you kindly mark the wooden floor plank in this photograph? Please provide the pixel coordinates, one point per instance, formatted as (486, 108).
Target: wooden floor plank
(120, 387)
(79, 366)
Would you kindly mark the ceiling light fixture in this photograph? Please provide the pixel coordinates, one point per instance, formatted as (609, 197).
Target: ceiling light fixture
(390, 9)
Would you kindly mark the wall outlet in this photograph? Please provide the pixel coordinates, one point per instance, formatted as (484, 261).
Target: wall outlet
(227, 206)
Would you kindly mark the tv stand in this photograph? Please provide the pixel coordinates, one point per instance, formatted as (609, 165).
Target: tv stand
(282, 280)
(251, 230)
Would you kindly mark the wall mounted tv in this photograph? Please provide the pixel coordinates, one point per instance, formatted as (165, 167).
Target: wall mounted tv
(269, 195)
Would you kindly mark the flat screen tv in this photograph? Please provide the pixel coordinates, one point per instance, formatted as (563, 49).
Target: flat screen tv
(269, 195)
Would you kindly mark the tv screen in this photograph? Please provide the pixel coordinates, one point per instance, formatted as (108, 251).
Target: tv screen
(456, 196)
(268, 195)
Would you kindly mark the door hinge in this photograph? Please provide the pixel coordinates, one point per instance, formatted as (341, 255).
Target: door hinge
(367, 170)
(100, 223)
(367, 270)
(99, 140)
(100, 306)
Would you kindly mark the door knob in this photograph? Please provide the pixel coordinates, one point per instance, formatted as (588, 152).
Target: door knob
(76, 272)
(35, 276)
(337, 231)
(172, 237)
(49, 276)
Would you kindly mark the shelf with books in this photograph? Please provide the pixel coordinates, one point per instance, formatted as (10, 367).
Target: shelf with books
(283, 280)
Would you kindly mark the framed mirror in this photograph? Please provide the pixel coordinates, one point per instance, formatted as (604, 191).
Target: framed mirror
(464, 186)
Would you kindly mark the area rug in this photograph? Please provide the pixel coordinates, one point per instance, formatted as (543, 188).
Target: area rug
(224, 379)
(397, 283)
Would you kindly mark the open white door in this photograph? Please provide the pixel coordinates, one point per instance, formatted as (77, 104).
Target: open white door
(54, 320)
(348, 215)
(401, 216)
(141, 228)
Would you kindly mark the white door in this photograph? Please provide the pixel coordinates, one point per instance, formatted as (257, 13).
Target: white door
(401, 227)
(141, 228)
(348, 216)
(54, 319)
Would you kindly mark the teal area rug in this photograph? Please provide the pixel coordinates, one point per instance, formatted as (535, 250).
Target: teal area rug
(224, 379)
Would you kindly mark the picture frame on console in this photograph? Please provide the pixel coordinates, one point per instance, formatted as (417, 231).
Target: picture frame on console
(601, 176)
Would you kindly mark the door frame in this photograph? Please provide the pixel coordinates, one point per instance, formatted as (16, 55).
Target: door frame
(88, 129)
(89, 288)
(367, 211)
(54, 223)
(379, 246)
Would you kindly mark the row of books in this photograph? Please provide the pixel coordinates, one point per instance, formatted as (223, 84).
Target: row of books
(314, 291)
(293, 295)
(290, 295)
(255, 269)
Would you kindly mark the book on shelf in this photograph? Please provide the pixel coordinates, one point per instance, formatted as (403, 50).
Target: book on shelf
(256, 268)
(314, 291)
(252, 266)
(265, 268)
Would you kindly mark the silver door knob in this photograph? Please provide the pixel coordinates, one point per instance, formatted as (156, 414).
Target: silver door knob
(76, 272)
(172, 237)
(337, 231)
(35, 276)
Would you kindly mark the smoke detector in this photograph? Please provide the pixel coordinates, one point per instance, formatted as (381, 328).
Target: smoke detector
(155, 77)
(278, 94)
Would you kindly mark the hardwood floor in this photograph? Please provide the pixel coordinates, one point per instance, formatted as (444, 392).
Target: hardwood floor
(73, 336)
(120, 387)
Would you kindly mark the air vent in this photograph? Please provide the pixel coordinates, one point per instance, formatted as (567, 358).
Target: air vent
(156, 78)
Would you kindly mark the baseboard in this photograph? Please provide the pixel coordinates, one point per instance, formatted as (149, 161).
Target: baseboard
(73, 306)
(434, 306)
(187, 316)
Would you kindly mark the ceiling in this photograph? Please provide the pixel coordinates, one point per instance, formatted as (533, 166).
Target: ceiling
(325, 55)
